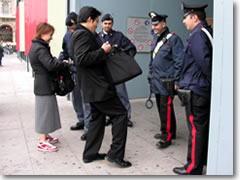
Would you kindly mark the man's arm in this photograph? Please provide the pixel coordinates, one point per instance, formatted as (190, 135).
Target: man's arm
(83, 53)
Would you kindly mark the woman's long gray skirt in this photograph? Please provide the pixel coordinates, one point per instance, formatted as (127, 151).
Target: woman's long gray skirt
(47, 117)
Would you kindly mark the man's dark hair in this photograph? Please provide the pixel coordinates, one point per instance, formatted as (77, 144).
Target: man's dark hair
(86, 12)
(201, 15)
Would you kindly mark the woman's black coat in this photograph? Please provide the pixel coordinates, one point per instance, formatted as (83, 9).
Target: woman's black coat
(44, 65)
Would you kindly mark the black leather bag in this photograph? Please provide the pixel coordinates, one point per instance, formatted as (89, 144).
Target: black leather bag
(62, 82)
(120, 67)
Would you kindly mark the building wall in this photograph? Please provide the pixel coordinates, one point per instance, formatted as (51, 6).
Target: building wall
(56, 17)
(31, 13)
(9, 17)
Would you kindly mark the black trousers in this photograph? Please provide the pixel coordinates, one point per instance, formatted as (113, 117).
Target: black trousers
(198, 125)
(167, 117)
(119, 117)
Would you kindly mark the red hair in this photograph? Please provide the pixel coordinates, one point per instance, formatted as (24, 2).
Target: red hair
(43, 28)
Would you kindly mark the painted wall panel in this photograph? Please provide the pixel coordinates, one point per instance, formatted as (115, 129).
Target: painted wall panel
(35, 13)
(57, 12)
(21, 27)
(220, 155)
(17, 29)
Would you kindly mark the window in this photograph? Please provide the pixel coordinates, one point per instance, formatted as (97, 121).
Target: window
(5, 8)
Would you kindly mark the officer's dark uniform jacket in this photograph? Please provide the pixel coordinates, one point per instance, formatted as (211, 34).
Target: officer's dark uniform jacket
(89, 59)
(196, 69)
(66, 53)
(167, 62)
(43, 65)
(116, 37)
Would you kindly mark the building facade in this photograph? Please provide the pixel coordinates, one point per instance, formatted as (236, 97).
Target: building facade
(8, 21)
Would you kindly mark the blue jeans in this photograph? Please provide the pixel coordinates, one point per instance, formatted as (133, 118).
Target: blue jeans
(83, 110)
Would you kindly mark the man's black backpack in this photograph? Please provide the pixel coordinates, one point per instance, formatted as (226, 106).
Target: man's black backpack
(62, 82)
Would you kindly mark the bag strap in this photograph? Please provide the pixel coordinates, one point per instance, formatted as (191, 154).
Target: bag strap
(160, 43)
(208, 35)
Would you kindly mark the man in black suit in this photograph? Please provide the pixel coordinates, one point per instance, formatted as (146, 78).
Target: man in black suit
(89, 59)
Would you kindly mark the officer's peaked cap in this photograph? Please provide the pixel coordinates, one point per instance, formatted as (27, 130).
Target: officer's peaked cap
(156, 18)
(190, 8)
(107, 17)
(71, 19)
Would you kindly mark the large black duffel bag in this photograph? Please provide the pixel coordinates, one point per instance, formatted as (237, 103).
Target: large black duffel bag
(120, 67)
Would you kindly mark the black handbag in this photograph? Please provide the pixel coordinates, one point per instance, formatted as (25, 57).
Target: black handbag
(120, 67)
(62, 82)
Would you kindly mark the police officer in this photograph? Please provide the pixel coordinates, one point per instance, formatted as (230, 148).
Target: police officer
(116, 38)
(165, 65)
(196, 77)
(82, 109)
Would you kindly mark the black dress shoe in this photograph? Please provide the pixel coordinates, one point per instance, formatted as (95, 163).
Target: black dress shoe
(120, 163)
(84, 137)
(180, 171)
(77, 126)
(130, 123)
(98, 157)
(163, 144)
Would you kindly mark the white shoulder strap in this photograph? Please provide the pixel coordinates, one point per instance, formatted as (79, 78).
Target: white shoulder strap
(208, 35)
(160, 43)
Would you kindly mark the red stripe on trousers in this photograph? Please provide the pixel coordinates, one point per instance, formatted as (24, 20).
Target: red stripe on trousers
(190, 167)
(169, 118)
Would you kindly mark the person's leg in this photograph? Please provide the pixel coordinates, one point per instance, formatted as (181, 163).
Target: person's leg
(95, 133)
(118, 114)
(87, 118)
(198, 125)
(77, 102)
(87, 115)
(43, 137)
(167, 119)
(123, 95)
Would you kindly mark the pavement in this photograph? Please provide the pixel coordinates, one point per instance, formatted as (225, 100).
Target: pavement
(18, 145)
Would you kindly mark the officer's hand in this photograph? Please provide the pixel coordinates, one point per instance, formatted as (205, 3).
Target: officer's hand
(66, 61)
(106, 47)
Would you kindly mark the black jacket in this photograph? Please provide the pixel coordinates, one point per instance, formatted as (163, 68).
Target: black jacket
(44, 65)
(89, 59)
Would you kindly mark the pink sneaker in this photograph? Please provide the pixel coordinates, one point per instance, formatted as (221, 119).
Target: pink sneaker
(46, 147)
(52, 140)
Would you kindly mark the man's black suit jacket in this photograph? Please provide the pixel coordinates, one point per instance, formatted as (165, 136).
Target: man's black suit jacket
(89, 59)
